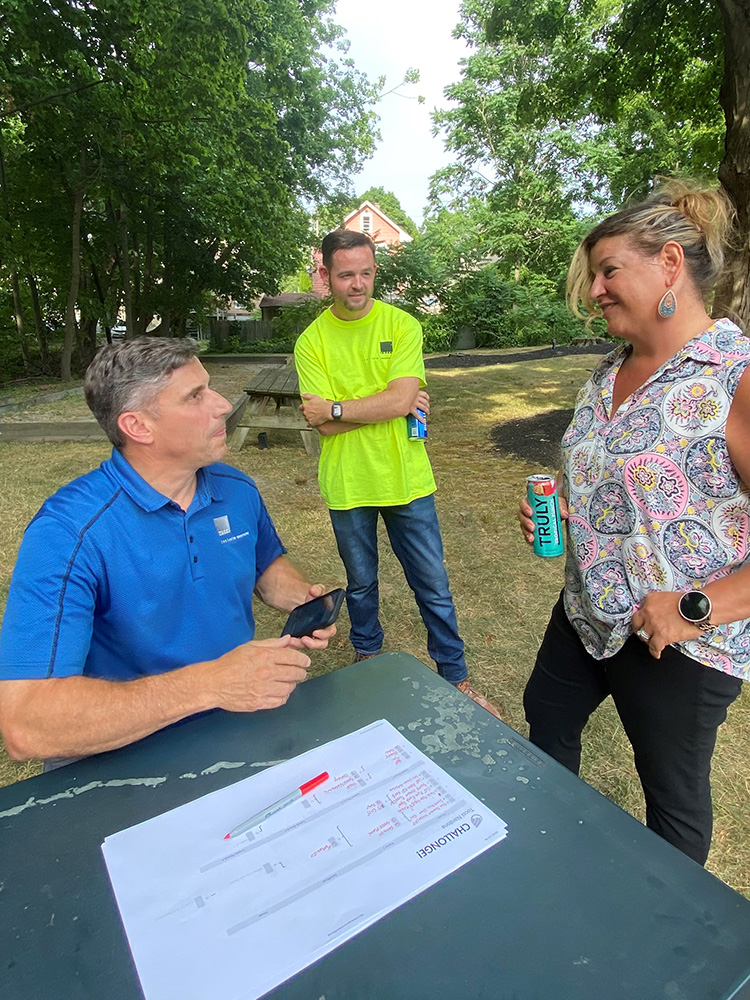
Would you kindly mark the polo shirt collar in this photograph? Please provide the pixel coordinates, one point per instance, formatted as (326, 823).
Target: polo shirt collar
(149, 499)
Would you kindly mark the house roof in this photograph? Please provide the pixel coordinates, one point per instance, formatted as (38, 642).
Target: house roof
(288, 299)
(403, 236)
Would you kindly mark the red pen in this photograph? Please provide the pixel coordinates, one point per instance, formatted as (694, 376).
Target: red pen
(277, 806)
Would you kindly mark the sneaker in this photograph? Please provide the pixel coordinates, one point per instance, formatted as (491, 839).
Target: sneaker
(363, 656)
(465, 687)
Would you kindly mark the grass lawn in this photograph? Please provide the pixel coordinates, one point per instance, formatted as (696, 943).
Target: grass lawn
(503, 593)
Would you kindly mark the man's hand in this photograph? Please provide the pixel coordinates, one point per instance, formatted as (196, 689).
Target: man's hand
(257, 675)
(422, 402)
(527, 524)
(658, 617)
(319, 638)
(315, 409)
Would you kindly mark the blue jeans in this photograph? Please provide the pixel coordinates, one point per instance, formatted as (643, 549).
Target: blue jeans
(414, 534)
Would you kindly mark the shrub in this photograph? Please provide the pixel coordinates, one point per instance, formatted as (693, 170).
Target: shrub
(292, 320)
(235, 345)
(439, 333)
(511, 313)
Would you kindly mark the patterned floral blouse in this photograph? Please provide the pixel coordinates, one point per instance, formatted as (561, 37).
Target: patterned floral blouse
(655, 501)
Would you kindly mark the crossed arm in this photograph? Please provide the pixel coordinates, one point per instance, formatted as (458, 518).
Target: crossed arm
(400, 397)
(77, 716)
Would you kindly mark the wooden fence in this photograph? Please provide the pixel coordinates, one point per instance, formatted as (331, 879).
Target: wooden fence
(246, 331)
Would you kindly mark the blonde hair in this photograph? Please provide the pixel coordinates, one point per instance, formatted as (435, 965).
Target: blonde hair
(698, 217)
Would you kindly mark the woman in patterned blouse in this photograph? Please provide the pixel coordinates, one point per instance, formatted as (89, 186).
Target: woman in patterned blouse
(656, 605)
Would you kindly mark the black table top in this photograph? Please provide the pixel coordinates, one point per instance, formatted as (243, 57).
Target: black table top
(580, 901)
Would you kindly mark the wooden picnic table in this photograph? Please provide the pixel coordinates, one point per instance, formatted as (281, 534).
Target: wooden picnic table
(280, 387)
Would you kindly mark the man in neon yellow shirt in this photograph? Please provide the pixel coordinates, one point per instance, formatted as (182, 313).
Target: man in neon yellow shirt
(361, 372)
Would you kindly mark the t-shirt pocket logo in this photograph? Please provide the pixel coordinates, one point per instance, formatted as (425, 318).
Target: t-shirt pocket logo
(386, 347)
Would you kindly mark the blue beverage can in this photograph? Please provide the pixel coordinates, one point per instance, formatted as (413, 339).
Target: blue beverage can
(541, 491)
(415, 429)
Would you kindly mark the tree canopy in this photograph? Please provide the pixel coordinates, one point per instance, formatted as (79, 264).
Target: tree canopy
(153, 154)
(564, 111)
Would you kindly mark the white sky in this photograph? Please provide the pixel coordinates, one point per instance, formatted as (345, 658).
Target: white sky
(387, 38)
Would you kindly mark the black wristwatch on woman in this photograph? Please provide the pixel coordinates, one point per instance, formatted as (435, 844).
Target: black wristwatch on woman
(695, 607)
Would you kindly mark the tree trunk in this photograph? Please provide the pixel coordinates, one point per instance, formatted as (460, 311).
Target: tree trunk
(41, 333)
(17, 305)
(733, 292)
(75, 274)
(127, 287)
(146, 309)
(87, 347)
(18, 309)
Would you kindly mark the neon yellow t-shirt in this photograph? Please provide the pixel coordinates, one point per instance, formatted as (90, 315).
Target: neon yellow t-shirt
(374, 465)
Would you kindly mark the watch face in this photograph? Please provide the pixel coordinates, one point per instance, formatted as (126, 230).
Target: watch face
(694, 606)
(336, 411)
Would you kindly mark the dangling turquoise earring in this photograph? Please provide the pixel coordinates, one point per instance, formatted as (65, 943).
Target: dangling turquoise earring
(667, 304)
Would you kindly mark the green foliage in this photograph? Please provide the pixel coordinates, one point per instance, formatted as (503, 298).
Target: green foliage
(409, 274)
(180, 139)
(439, 333)
(292, 320)
(562, 111)
(300, 281)
(639, 81)
(236, 345)
(505, 313)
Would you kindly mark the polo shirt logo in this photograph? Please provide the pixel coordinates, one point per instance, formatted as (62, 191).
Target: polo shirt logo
(386, 347)
(222, 525)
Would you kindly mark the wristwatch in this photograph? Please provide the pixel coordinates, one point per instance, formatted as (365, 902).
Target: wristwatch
(336, 411)
(695, 607)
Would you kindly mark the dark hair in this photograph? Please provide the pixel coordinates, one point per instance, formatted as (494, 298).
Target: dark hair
(344, 239)
(697, 217)
(130, 375)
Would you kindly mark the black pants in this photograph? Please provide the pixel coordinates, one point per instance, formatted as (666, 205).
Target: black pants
(671, 709)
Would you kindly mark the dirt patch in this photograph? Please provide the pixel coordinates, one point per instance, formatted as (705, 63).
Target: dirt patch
(535, 439)
(461, 360)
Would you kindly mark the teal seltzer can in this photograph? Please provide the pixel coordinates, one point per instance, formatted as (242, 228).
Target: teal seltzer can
(545, 512)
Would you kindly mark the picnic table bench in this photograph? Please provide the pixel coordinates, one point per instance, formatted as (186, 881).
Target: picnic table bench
(280, 387)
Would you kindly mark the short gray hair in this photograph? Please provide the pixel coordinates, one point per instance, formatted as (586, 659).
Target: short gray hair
(130, 375)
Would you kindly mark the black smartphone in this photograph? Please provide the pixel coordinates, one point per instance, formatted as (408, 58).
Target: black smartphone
(319, 613)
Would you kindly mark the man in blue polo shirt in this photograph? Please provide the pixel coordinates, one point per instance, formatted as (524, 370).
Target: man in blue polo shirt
(130, 605)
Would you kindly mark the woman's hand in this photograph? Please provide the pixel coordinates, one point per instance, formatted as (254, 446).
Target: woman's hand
(527, 525)
(658, 617)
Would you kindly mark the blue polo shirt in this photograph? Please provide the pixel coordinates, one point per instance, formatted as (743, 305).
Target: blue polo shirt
(115, 580)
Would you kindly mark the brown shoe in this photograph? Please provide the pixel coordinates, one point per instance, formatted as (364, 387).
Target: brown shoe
(465, 687)
(363, 656)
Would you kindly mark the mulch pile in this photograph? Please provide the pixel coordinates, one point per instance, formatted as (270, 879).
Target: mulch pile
(460, 360)
(534, 439)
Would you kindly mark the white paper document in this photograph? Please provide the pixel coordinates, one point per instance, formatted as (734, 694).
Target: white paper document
(215, 919)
